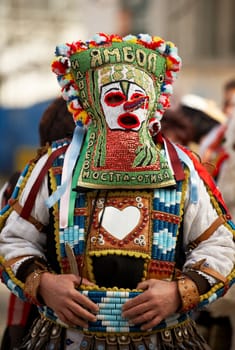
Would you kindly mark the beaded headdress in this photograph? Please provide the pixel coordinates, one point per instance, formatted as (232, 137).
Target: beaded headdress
(150, 54)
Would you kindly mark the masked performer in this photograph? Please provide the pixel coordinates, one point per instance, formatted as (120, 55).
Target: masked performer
(137, 233)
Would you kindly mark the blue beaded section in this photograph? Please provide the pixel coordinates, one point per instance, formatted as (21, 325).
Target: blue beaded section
(75, 235)
(165, 232)
(109, 318)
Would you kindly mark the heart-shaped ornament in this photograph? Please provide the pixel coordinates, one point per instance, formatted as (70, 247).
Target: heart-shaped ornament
(119, 223)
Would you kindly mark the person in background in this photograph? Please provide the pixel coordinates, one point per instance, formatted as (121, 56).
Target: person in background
(176, 127)
(217, 323)
(212, 148)
(222, 312)
(226, 177)
(139, 235)
(229, 98)
(191, 120)
(55, 123)
(204, 115)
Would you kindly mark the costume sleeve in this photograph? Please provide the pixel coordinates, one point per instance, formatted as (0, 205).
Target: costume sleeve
(20, 237)
(216, 253)
(20, 240)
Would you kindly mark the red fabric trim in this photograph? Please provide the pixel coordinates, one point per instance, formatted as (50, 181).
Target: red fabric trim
(25, 213)
(11, 309)
(25, 313)
(18, 311)
(219, 163)
(175, 161)
(219, 138)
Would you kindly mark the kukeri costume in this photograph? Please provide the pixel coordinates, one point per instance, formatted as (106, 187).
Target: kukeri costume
(130, 204)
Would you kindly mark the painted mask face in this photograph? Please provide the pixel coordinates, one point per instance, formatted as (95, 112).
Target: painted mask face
(125, 105)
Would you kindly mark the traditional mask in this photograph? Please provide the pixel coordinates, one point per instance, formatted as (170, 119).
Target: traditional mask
(118, 88)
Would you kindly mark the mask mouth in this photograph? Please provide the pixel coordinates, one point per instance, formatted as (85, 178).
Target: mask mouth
(128, 121)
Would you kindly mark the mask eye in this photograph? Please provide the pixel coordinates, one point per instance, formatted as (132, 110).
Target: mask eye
(114, 98)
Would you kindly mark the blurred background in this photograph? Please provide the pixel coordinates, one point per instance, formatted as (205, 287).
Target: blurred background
(204, 32)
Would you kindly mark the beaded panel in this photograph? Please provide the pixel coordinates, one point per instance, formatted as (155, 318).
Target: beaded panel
(120, 222)
(136, 223)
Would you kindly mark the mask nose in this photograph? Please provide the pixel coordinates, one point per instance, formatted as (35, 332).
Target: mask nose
(134, 104)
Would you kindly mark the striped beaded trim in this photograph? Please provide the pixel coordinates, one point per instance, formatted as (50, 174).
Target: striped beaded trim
(167, 205)
(15, 285)
(7, 209)
(110, 304)
(109, 319)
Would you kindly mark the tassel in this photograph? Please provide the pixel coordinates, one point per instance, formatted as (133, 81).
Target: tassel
(138, 343)
(123, 342)
(45, 335)
(55, 338)
(99, 343)
(87, 342)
